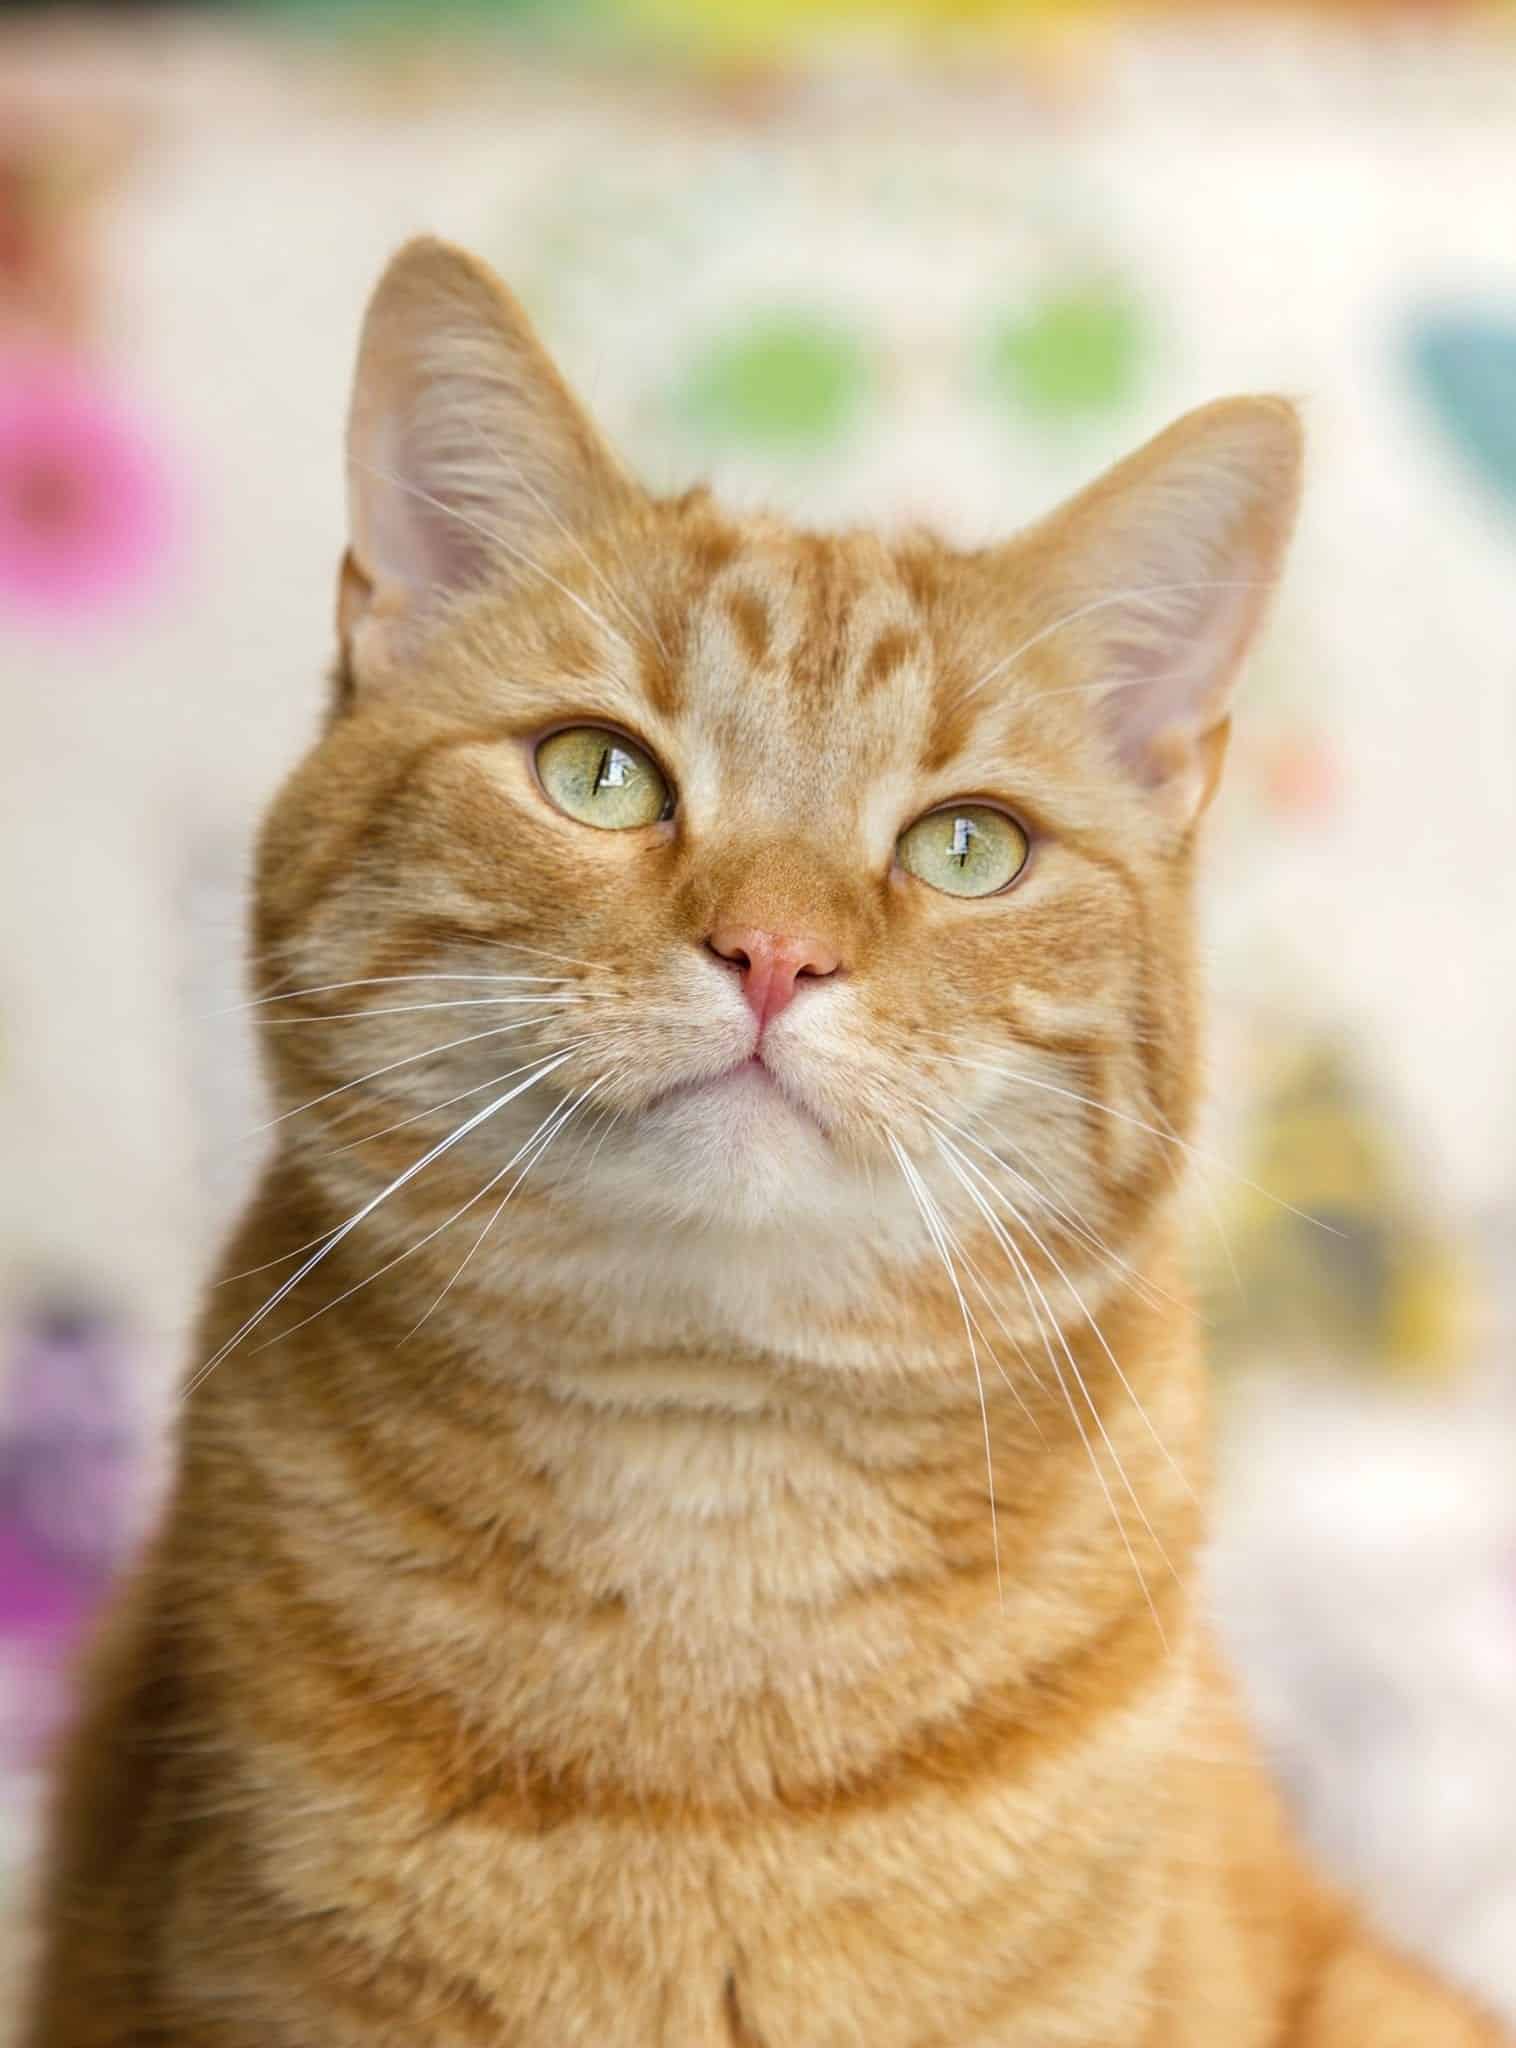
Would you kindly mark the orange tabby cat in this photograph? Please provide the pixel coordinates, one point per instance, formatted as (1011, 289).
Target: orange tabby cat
(687, 1524)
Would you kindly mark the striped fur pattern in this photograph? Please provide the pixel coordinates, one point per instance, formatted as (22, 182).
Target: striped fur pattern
(668, 1554)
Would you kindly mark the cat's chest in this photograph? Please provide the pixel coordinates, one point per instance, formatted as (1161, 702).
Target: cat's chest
(813, 1931)
(624, 1837)
(651, 1725)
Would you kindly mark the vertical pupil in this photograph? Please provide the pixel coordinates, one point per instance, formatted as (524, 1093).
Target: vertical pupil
(613, 771)
(963, 833)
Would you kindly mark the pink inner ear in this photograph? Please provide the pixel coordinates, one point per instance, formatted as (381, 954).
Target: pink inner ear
(1169, 672)
(415, 539)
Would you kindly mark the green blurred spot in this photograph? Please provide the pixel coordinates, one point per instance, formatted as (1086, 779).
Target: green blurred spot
(1079, 351)
(789, 379)
(412, 17)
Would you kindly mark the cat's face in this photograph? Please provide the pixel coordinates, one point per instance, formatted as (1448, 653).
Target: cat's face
(774, 871)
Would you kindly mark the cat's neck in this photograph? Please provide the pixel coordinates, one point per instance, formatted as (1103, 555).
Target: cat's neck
(738, 1518)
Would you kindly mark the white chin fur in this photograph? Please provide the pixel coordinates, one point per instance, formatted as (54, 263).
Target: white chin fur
(735, 1151)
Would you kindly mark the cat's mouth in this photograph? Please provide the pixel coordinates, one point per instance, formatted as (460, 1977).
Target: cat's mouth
(747, 1086)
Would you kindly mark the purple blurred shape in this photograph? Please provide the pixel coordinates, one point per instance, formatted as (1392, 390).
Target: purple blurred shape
(67, 1488)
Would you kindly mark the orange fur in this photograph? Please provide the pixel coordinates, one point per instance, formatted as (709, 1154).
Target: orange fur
(716, 1610)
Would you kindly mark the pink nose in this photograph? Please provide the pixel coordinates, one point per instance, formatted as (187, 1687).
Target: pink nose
(771, 963)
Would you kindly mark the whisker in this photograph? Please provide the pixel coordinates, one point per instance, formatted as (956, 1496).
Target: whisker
(268, 1265)
(1079, 1301)
(410, 1059)
(1123, 1273)
(420, 1244)
(1065, 1214)
(971, 1267)
(597, 1122)
(1028, 1278)
(432, 1109)
(409, 1009)
(327, 988)
(1164, 1137)
(543, 953)
(933, 1230)
(616, 1116)
(537, 1144)
(344, 1230)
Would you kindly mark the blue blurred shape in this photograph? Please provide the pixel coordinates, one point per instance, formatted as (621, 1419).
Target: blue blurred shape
(1466, 366)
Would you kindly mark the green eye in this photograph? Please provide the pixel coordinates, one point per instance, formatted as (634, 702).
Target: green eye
(964, 849)
(602, 779)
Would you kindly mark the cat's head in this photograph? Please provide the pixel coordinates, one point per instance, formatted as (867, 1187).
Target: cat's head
(755, 871)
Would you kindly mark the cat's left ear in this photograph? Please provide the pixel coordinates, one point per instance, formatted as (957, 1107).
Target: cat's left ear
(1162, 572)
(468, 457)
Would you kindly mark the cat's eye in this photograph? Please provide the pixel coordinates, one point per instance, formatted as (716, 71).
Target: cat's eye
(603, 779)
(964, 849)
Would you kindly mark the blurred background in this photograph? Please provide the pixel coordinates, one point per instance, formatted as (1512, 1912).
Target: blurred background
(934, 261)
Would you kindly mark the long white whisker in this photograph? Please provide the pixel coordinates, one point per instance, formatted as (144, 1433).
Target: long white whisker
(403, 1123)
(558, 996)
(1079, 1301)
(1164, 1137)
(535, 1146)
(1124, 1273)
(596, 1123)
(970, 1266)
(616, 1116)
(918, 1191)
(1063, 1213)
(432, 1108)
(421, 1242)
(344, 1230)
(1028, 1279)
(430, 1052)
(326, 988)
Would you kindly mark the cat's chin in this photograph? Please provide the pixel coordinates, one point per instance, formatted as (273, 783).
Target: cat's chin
(741, 1095)
(738, 1148)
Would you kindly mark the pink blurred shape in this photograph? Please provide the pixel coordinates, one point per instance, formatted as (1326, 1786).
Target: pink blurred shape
(86, 503)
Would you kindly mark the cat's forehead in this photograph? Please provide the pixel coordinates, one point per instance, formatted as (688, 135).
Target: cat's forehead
(806, 666)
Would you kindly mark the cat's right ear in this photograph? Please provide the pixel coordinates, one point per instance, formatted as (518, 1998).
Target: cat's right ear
(467, 455)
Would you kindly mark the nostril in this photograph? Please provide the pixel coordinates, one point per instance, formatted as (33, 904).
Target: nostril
(730, 955)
